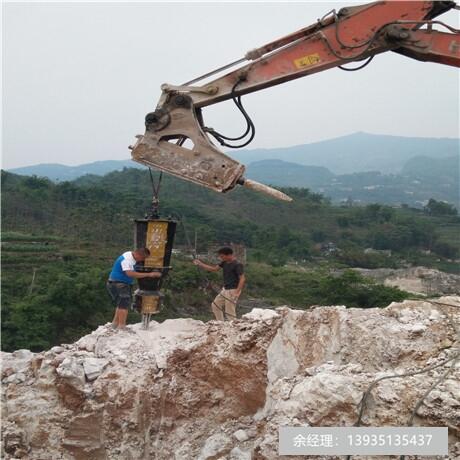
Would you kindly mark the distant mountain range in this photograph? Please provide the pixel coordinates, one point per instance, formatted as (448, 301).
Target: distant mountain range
(362, 167)
(286, 174)
(57, 172)
(421, 178)
(443, 169)
(357, 152)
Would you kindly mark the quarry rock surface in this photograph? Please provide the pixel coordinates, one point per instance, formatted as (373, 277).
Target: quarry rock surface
(185, 389)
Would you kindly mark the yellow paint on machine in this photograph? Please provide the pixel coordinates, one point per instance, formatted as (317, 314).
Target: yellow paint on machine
(150, 304)
(307, 61)
(157, 238)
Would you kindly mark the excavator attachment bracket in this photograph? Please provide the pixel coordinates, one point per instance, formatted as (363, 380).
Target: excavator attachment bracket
(167, 129)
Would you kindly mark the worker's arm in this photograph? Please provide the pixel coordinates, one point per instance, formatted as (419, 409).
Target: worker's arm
(133, 274)
(207, 267)
(241, 283)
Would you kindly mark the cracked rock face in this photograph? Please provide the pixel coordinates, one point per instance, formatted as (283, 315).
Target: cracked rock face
(189, 390)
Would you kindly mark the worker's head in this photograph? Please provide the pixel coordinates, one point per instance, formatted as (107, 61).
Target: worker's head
(225, 254)
(141, 254)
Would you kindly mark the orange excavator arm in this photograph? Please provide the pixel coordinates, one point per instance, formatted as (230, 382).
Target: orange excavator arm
(354, 34)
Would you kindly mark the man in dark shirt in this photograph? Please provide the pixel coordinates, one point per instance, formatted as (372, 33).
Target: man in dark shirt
(224, 305)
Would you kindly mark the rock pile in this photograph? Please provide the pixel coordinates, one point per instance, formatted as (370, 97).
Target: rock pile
(191, 390)
(418, 280)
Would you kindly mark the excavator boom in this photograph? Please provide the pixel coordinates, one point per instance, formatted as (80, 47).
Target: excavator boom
(176, 139)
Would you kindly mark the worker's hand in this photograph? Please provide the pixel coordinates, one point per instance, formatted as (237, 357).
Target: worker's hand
(197, 262)
(237, 293)
(154, 275)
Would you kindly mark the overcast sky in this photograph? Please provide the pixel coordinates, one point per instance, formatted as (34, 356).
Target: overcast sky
(78, 79)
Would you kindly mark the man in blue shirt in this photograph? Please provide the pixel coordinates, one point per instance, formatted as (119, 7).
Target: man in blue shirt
(120, 282)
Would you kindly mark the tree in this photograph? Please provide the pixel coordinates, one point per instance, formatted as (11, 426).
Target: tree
(445, 250)
(72, 305)
(440, 208)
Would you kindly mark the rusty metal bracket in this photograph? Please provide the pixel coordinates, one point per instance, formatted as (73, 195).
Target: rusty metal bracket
(173, 124)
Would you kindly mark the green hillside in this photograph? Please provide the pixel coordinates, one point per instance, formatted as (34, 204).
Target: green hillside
(59, 242)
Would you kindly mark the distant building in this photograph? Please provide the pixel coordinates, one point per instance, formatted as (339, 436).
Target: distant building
(329, 248)
(385, 252)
